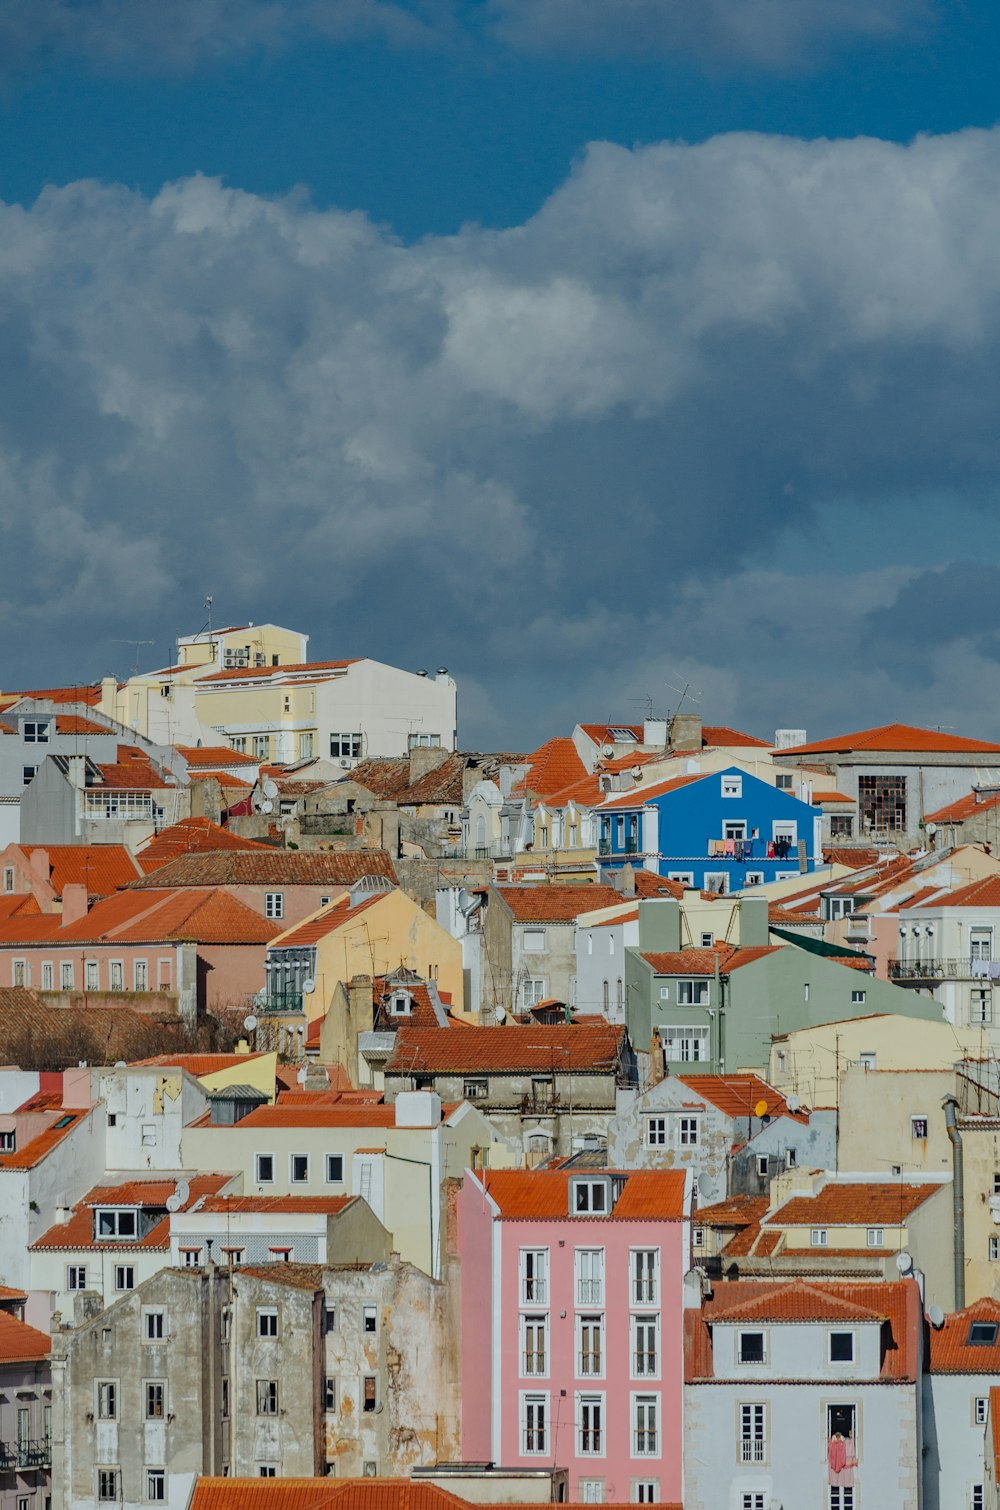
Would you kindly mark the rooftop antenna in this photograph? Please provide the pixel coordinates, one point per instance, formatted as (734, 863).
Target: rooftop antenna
(208, 609)
(134, 668)
(686, 693)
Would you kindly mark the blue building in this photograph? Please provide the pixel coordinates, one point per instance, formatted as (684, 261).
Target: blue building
(720, 832)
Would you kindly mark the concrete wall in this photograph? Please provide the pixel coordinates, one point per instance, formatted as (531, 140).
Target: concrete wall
(29, 1197)
(953, 1440)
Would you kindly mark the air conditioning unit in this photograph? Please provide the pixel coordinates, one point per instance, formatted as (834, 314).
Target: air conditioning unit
(346, 764)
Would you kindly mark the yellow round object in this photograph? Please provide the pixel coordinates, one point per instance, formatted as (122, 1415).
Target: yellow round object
(760, 1110)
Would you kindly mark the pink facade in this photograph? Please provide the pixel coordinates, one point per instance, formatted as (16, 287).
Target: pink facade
(215, 976)
(572, 1336)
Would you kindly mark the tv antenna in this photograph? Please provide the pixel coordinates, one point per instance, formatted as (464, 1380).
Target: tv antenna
(136, 645)
(687, 693)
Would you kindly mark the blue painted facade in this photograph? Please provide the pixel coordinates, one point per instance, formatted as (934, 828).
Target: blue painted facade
(720, 832)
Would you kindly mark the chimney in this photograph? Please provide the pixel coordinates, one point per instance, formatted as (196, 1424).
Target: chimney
(685, 732)
(426, 758)
(109, 695)
(654, 733)
(660, 925)
(359, 996)
(74, 903)
(76, 771)
(38, 861)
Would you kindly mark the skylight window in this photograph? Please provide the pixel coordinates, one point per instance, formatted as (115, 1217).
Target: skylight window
(982, 1334)
(622, 736)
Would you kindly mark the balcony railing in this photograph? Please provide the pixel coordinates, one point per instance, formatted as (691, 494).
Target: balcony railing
(278, 1001)
(753, 1450)
(944, 969)
(8, 1457)
(34, 1454)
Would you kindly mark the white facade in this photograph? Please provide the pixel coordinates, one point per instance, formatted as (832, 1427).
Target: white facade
(955, 1409)
(600, 966)
(30, 1198)
(147, 1108)
(963, 944)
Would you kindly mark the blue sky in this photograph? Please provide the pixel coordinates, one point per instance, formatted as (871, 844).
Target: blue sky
(579, 347)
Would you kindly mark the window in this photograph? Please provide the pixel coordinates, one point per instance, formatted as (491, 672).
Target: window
(47, 976)
(882, 803)
(107, 1400)
(140, 975)
(369, 1394)
(876, 1237)
(591, 1491)
(645, 1425)
(65, 976)
(533, 940)
(981, 943)
(645, 1491)
(982, 1334)
(298, 1164)
(124, 1277)
(153, 1326)
(274, 904)
(698, 1237)
(329, 1320)
(267, 1471)
(707, 940)
(156, 1393)
(76, 1277)
(533, 1339)
(762, 1166)
(783, 781)
(267, 1397)
(645, 1267)
(687, 1129)
(753, 1499)
(994, 1249)
(231, 1256)
(918, 1127)
(116, 1224)
(688, 1045)
(265, 1168)
(841, 1347)
(645, 1330)
(8, 879)
(753, 1433)
(977, 1497)
(591, 1196)
(858, 998)
(116, 975)
(532, 992)
(980, 1405)
(262, 746)
(590, 1435)
(335, 1169)
(369, 1319)
(656, 1132)
(732, 786)
(589, 1276)
(345, 746)
(329, 1393)
(107, 1483)
(534, 1275)
(751, 1348)
(156, 1487)
(818, 1237)
(35, 733)
(534, 1414)
(190, 1257)
(267, 1321)
(692, 993)
(590, 1346)
(239, 743)
(475, 1090)
(91, 977)
(868, 1060)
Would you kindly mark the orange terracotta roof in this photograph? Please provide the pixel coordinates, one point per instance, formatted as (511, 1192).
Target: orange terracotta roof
(207, 915)
(20, 905)
(964, 807)
(311, 1116)
(728, 957)
(632, 916)
(329, 920)
(719, 734)
(78, 1231)
(894, 737)
(6, 1293)
(735, 1211)
(819, 798)
(948, 1345)
(41, 1145)
(191, 836)
(586, 792)
(72, 723)
(855, 858)
(276, 673)
(649, 885)
(543, 1194)
(321, 1493)
(893, 1303)
(853, 1204)
(737, 1095)
(554, 766)
(102, 868)
(224, 778)
(586, 1048)
(554, 902)
(134, 771)
(640, 794)
(264, 865)
(20, 1343)
(214, 755)
(199, 1064)
(784, 917)
(303, 1205)
(89, 696)
(983, 893)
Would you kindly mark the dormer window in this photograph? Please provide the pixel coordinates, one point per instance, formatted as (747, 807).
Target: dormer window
(400, 1004)
(590, 1197)
(35, 732)
(982, 1334)
(115, 1224)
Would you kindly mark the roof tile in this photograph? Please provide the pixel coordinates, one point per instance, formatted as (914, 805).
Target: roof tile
(586, 1048)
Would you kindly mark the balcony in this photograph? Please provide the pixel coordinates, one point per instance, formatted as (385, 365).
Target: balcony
(34, 1454)
(280, 1001)
(8, 1457)
(943, 969)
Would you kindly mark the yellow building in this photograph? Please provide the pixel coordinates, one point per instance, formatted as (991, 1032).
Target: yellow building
(216, 1071)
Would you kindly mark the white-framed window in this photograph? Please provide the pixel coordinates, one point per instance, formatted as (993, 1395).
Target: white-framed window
(8, 879)
(753, 1433)
(334, 1168)
(763, 1166)
(369, 1320)
(534, 1349)
(644, 1264)
(264, 1168)
(754, 878)
(692, 993)
(156, 1399)
(66, 975)
(238, 742)
(590, 1347)
(875, 1237)
(76, 1276)
(841, 1347)
(645, 1426)
(591, 1197)
(977, 1497)
(589, 1274)
(274, 904)
(534, 1276)
(116, 1224)
(533, 940)
(645, 1350)
(298, 1168)
(267, 1397)
(532, 992)
(753, 1499)
(686, 877)
(732, 786)
(751, 1346)
(329, 1393)
(140, 975)
(980, 1406)
(35, 732)
(190, 1257)
(107, 1399)
(116, 975)
(698, 1237)
(345, 746)
(267, 1321)
(858, 998)
(918, 1127)
(107, 1483)
(717, 881)
(818, 1237)
(981, 943)
(124, 1277)
(91, 975)
(656, 1132)
(590, 1425)
(994, 1249)
(591, 1491)
(783, 781)
(685, 1045)
(687, 1132)
(156, 1485)
(868, 1059)
(262, 746)
(47, 975)
(645, 1491)
(534, 1425)
(154, 1324)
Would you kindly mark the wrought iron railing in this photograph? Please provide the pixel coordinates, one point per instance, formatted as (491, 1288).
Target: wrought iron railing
(943, 969)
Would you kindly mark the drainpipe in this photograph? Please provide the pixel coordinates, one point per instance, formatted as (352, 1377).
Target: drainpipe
(950, 1105)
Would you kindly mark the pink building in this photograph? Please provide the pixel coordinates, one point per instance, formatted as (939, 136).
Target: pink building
(572, 1326)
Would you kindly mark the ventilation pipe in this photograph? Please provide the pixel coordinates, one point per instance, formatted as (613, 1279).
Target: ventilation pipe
(950, 1105)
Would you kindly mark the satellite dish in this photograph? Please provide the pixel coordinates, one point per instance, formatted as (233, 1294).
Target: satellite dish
(267, 806)
(121, 1064)
(760, 1110)
(173, 1202)
(270, 788)
(302, 1075)
(932, 830)
(904, 1263)
(183, 1192)
(501, 1014)
(308, 986)
(935, 1316)
(250, 1023)
(792, 1102)
(608, 750)
(704, 1184)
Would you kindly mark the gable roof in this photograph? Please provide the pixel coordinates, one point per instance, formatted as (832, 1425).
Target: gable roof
(307, 670)
(853, 1204)
(584, 1048)
(540, 1194)
(727, 957)
(214, 756)
(266, 866)
(720, 734)
(795, 1302)
(555, 902)
(893, 737)
(102, 868)
(964, 807)
(552, 767)
(78, 1231)
(20, 1343)
(639, 795)
(329, 919)
(737, 1095)
(390, 778)
(190, 836)
(948, 1350)
(981, 893)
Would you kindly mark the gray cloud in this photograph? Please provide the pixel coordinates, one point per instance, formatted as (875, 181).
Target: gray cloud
(181, 34)
(551, 457)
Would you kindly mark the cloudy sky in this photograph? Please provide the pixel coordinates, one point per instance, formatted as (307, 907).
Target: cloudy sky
(590, 348)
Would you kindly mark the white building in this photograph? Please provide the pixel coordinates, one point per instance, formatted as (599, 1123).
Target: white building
(802, 1395)
(963, 1363)
(949, 947)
